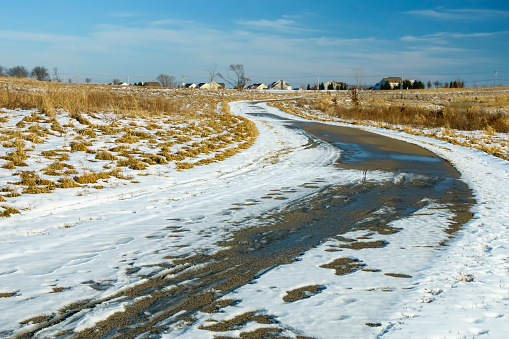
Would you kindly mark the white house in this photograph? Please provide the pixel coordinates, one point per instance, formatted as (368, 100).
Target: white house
(213, 85)
(392, 81)
(257, 86)
(189, 85)
(280, 85)
(334, 85)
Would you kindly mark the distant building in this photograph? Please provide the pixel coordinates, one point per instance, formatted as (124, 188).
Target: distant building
(392, 81)
(335, 85)
(257, 86)
(280, 85)
(213, 85)
(220, 85)
(190, 85)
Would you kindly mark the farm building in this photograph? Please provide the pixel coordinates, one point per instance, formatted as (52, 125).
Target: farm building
(280, 85)
(392, 81)
(257, 86)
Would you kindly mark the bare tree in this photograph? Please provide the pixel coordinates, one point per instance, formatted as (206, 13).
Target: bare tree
(18, 72)
(88, 80)
(239, 79)
(166, 80)
(40, 73)
(437, 83)
(212, 73)
(358, 74)
(56, 77)
(116, 81)
(70, 80)
(2, 71)
(429, 84)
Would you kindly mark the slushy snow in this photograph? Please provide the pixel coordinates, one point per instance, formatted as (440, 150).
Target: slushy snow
(83, 247)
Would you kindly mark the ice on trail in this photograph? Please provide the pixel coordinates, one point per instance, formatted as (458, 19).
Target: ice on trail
(88, 247)
(68, 248)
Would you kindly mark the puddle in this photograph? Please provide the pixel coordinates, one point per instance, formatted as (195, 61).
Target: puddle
(198, 282)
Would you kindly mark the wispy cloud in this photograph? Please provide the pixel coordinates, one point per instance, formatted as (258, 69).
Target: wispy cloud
(191, 48)
(461, 14)
(172, 22)
(446, 37)
(36, 37)
(122, 14)
(279, 24)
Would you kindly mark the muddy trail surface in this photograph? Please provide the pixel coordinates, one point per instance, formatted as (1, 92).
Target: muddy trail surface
(196, 283)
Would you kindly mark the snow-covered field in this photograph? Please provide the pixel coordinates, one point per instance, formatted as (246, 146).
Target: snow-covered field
(64, 248)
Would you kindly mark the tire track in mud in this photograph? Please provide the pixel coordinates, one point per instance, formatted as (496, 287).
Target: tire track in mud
(195, 283)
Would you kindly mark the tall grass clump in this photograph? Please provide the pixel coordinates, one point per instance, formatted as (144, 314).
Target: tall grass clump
(17, 157)
(462, 118)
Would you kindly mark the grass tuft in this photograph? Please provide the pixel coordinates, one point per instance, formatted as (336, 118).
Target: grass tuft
(6, 211)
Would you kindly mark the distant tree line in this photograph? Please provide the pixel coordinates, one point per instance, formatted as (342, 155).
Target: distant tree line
(339, 86)
(40, 73)
(453, 84)
(407, 84)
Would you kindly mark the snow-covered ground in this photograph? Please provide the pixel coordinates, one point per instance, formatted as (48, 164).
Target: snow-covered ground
(66, 248)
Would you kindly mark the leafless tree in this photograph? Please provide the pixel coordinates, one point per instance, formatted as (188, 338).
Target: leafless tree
(116, 81)
(40, 73)
(239, 79)
(88, 80)
(56, 77)
(69, 80)
(437, 83)
(213, 73)
(18, 72)
(2, 71)
(358, 74)
(166, 80)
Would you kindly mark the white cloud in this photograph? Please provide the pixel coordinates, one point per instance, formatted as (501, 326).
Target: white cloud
(177, 47)
(122, 14)
(461, 14)
(21, 36)
(446, 37)
(279, 24)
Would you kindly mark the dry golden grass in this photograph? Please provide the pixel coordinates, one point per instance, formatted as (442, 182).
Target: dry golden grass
(118, 129)
(435, 113)
(104, 155)
(6, 211)
(91, 177)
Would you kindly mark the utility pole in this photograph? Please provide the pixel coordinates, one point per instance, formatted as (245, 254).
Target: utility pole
(401, 84)
(495, 78)
(318, 84)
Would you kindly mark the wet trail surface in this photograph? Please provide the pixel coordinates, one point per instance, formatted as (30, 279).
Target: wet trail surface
(195, 283)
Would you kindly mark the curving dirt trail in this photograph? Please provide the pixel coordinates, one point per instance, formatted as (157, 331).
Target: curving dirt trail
(196, 283)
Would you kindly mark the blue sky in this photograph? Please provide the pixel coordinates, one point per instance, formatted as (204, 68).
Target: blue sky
(293, 40)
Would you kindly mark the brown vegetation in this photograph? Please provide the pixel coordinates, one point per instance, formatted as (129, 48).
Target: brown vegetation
(452, 115)
(124, 129)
